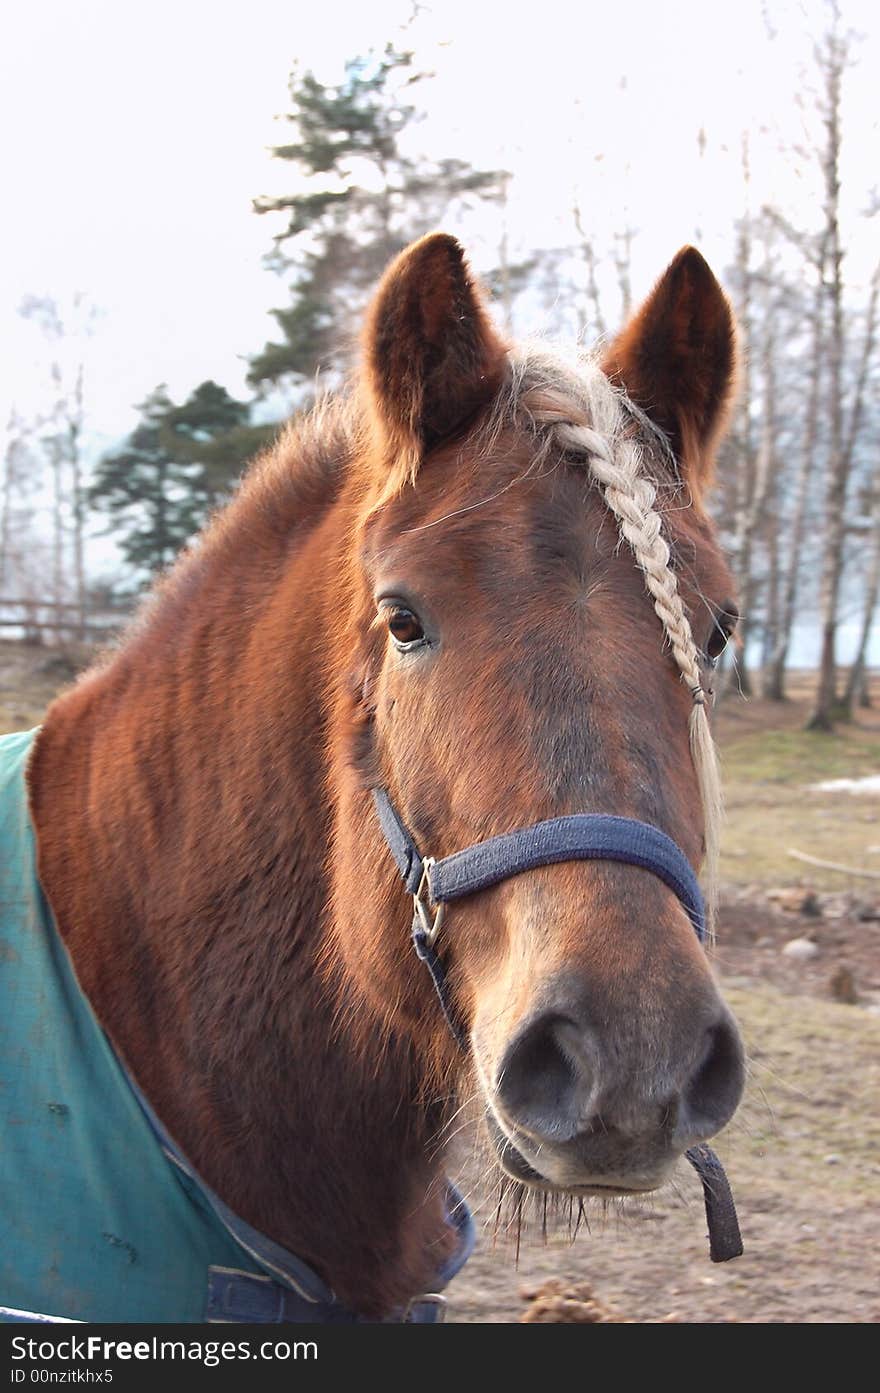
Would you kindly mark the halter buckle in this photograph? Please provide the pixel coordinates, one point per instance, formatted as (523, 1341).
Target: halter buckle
(429, 1308)
(430, 922)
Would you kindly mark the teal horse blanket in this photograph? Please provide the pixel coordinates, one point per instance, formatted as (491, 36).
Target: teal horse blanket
(95, 1224)
(101, 1216)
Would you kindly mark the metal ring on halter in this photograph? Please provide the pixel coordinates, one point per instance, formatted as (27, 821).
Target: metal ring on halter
(430, 923)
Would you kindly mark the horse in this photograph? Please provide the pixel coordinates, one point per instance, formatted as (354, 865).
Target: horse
(473, 596)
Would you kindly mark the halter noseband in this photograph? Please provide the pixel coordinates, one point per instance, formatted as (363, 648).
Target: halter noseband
(580, 837)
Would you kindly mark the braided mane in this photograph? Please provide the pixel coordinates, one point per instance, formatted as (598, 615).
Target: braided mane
(574, 406)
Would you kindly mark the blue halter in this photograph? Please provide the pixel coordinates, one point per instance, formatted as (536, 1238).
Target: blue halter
(580, 837)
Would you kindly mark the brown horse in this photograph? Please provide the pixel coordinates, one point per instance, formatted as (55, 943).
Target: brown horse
(429, 585)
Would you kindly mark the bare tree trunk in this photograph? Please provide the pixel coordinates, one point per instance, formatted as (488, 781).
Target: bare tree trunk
(18, 480)
(64, 445)
(6, 501)
(856, 686)
(623, 262)
(594, 307)
(822, 715)
(57, 450)
(744, 518)
(837, 488)
(755, 507)
(74, 431)
(770, 638)
(56, 459)
(765, 523)
(775, 686)
(865, 691)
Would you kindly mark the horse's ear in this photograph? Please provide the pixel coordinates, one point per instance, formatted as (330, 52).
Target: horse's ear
(677, 360)
(432, 355)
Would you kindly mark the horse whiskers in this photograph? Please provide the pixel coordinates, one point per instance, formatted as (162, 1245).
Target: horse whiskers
(442, 1135)
(447, 1134)
(519, 1206)
(778, 1078)
(501, 1191)
(443, 1144)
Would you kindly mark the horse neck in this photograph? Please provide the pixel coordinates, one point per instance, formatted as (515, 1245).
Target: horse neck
(183, 830)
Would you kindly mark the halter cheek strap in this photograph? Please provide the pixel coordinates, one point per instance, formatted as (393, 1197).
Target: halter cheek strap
(580, 837)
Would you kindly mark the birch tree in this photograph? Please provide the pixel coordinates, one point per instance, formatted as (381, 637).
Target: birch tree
(774, 680)
(833, 57)
(856, 689)
(64, 329)
(17, 475)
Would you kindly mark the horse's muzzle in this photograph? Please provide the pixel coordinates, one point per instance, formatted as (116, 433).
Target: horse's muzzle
(570, 1109)
(568, 1178)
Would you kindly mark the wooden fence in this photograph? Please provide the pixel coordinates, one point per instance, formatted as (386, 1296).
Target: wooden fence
(56, 622)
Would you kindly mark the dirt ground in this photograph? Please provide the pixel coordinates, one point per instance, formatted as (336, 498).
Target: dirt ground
(803, 1152)
(802, 1156)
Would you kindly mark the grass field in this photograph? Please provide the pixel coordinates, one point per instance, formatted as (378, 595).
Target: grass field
(29, 679)
(770, 763)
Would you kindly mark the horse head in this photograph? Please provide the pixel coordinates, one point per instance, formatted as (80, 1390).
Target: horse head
(534, 599)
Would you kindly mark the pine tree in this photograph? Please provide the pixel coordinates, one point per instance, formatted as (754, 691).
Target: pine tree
(178, 462)
(365, 199)
(212, 430)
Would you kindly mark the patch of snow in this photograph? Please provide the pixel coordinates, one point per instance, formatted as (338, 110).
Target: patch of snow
(869, 784)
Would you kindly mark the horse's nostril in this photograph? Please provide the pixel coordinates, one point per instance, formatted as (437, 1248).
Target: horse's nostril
(712, 1094)
(546, 1079)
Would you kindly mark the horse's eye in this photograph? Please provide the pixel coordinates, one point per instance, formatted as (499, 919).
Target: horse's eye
(725, 623)
(405, 627)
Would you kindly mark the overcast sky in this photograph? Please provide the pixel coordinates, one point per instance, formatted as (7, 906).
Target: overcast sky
(136, 135)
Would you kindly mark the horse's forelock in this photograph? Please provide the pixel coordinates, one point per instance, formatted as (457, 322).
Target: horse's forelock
(569, 403)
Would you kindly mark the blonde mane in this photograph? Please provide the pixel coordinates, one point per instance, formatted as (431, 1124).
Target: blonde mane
(572, 405)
